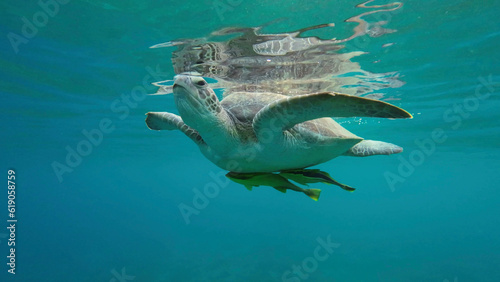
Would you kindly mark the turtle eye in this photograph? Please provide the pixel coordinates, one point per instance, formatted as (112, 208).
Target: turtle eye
(201, 83)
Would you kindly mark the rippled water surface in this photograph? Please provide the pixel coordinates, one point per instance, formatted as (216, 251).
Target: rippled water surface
(100, 197)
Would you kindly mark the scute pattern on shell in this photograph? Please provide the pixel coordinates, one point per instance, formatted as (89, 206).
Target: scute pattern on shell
(242, 108)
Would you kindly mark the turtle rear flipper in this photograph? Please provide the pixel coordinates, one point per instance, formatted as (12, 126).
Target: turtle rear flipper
(367, 148)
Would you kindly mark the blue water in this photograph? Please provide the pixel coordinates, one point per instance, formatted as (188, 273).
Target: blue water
(427, 214)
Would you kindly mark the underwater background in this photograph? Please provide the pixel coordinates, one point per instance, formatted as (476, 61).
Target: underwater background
(67, 67)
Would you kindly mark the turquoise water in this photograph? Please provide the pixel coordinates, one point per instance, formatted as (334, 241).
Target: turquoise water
(427, 214)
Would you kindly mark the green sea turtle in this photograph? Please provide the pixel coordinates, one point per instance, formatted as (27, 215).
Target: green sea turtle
(267, 132)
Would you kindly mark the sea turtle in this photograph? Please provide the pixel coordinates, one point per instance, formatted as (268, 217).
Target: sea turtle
(267, 132)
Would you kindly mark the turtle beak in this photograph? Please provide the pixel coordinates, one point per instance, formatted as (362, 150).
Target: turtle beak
(186, 94)
(181, 80)
(183, 86)
(184, 78)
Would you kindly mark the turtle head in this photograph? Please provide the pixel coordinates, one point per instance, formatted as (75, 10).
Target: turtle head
(196, 101)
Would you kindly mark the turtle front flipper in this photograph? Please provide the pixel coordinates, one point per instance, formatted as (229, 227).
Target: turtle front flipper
(284, 113)
(169, 121)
